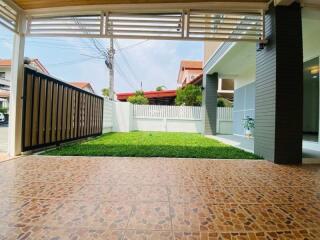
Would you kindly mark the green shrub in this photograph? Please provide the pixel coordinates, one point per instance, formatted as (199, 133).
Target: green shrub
(140, 100)
(191, 95)
(4, 110)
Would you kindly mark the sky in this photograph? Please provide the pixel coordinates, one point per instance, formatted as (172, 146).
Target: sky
(152, 62)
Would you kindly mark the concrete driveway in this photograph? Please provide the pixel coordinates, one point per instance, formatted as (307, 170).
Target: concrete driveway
(3, 138)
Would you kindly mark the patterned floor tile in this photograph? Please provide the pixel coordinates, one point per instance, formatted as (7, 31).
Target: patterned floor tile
(147, 193)
(27, 211)
(45, 233)
(231, 218)
(215, 195)
(157, 198)
(106, 215)
(190, 217)
(147, 235)
(289, 194)
(150, 216)
(271, 218)
(184, 194)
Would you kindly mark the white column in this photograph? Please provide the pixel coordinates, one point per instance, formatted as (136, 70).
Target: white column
(17, 69)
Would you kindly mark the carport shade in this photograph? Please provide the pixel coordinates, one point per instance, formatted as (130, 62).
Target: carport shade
(34, 4)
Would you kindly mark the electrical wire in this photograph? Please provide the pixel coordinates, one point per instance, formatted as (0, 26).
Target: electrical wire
(127, 63)
(124, 75)
(132, 45)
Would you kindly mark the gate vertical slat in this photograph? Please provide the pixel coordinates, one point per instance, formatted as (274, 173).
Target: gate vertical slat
(31, 112)
(38, 113)
(54, 112)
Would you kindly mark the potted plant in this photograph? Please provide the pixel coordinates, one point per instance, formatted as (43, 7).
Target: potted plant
(248, 124)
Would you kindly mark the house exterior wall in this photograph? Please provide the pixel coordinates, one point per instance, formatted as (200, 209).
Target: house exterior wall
(209, 49)
(244, 105)
(7, 71)
(279, 88)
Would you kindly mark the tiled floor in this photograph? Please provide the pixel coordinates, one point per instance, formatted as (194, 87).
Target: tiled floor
(134, 198)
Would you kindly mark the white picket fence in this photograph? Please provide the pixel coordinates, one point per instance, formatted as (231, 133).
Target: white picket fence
(168, 112)
(125, 117)
(107, 115)
(224, 113)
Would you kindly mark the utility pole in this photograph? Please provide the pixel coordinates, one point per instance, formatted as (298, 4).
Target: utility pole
(110, 65)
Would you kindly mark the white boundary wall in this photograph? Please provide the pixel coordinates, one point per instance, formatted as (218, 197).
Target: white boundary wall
(125, 117)
(167, 118)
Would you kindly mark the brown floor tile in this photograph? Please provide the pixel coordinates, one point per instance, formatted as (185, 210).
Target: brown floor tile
(215, 195)
(147, 193)
(231, 218)
(103, 215)
(45, 233)
(184, 194)
(157, 198)
(271, 218)
(27, 211)
(150, 216)
(147, 235)
(190, 217)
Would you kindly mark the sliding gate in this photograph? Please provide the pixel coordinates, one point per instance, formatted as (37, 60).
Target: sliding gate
(55, 112)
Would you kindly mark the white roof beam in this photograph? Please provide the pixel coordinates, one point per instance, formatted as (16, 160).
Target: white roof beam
(173, 7)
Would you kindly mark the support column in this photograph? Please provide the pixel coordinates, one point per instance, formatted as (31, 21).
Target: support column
(16, 89)
(279, 88)
(209, 103)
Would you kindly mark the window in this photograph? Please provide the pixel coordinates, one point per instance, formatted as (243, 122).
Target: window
(2, 75)
(227, 84)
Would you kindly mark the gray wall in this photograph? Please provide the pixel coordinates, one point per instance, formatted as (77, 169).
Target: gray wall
(311, 97)
(244, 105)
(210, 103)
(279, 88)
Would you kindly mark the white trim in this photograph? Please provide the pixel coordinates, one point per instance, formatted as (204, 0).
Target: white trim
(215, 51)
(15, 120)
(221, 57)
(219, 6)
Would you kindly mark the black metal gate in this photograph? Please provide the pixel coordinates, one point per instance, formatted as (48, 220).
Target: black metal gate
(55, 112)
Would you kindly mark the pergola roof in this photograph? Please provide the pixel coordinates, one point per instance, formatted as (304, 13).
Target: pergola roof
(36, 4)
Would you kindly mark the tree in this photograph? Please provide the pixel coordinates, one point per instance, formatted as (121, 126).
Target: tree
(105, 92)
(160, 88)
(191, 95)
(138, 98)
(223, 102)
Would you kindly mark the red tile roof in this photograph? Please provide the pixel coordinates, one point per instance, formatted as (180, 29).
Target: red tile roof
(81, 85)
(148, 94)
(4, 94)
(187, 64)
(5, 62)
(35, 62)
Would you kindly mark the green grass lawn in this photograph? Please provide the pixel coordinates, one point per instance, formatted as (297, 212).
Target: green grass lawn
(153, 144)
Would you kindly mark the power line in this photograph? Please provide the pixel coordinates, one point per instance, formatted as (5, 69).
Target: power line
(133, 45)
(71, 62)
(127, 63)
(123, 74)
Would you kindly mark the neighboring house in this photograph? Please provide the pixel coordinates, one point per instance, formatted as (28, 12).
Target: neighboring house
(5, 77)
(238, 61)
(191, 72)
(188, 71)
(83, 85)
(165, 97)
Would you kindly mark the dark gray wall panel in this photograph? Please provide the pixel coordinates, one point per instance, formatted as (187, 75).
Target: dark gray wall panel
(210, 96)
(278, 133)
